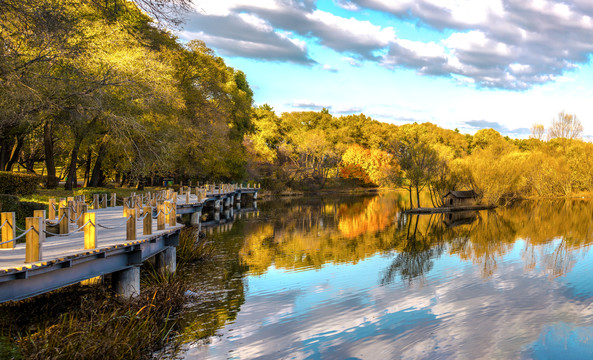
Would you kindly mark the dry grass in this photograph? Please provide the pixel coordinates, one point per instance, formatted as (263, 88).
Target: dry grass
(90, 322)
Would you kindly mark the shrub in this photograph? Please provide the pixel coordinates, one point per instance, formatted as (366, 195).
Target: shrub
(22, 210)
(18, 183)
(9, 203)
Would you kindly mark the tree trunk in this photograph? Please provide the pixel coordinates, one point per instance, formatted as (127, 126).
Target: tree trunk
(5, 149)
(96, 177)
(411, 197)
(14, 155)
(48, 144)
(87, 167)
(417, 197)
(71, 180)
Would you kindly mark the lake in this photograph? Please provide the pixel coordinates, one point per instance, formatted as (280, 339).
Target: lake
(354, 278)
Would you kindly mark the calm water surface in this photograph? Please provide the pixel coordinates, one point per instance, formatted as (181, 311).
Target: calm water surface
(354, 278)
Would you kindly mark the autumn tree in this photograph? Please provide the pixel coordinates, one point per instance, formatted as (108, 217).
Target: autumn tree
(566, 126)
(416, 157)
(369, 166)
(537, 131)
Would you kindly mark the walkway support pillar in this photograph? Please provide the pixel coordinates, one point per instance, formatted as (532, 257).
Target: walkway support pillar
(126, 283)
(195, 218)
(166, 260)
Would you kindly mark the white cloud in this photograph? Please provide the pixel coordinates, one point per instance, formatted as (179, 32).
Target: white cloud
(489, 39)
(329, 68)
(363, 32)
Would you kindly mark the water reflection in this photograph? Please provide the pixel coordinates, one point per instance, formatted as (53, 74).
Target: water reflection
(356, 277)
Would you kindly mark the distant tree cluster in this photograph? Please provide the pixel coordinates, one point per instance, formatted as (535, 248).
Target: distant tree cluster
(565, 126)
(304, 149)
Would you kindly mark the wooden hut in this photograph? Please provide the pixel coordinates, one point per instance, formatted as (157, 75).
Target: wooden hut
(460, 198)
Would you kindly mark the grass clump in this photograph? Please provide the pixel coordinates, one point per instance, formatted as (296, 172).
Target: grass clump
(193, 248)
(90, 322)
(105, 327)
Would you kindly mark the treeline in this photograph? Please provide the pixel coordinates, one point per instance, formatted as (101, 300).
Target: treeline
(306, 149)
(94, 90)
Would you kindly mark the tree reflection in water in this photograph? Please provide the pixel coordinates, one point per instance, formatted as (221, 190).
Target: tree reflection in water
(307, 233)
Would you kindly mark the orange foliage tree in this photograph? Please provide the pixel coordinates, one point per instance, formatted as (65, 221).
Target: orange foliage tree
(369, 166)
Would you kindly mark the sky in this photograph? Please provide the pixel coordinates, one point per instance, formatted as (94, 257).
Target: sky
(465, 64)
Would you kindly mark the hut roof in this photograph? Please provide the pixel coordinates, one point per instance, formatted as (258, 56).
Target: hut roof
(463, 194)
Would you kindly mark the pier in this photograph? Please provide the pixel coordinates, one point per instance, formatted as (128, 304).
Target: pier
(75, 241)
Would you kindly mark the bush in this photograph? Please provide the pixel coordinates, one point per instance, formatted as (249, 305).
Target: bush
(9, 203)
(22, 210)
(18, 183)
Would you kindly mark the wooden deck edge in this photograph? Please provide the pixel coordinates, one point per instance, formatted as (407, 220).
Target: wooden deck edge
(443, 210)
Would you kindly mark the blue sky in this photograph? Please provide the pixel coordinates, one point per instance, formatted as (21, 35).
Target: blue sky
(466, 64)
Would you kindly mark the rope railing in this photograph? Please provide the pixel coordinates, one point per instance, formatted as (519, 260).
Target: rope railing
(48, 222)
(115, 227)
(70, 233)
(21, 235)
(1, 226)
(157, 214)
(78, 216)
(140, 218)
(168, 212)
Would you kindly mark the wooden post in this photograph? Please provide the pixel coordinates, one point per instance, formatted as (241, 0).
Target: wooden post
(8, 230)
(90, 230)
(160, 219)
(138, 206)
(187, 197)
(173, 214)
(96, 201)
(131, 225)
(113, 199)
(39, 213)
(34, 238)
(126, 207)
(147, 223)
(71, 211)
(104, 201)
(174, 199)
(51, 210)
(83, 209)
(166, 209)
(65, 220)
(70, 204)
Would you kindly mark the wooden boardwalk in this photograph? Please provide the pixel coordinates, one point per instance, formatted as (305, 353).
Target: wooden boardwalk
(111, 233)
(67, 258)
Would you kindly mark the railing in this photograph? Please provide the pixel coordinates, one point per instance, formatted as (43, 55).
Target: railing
(160, 205)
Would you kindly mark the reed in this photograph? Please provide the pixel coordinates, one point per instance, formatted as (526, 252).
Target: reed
(193, 247)
(89, 322)
(97, 325)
